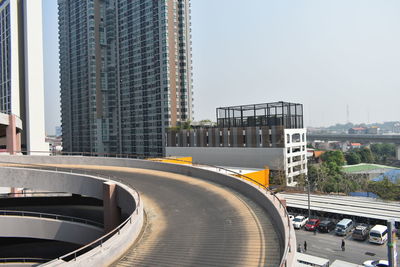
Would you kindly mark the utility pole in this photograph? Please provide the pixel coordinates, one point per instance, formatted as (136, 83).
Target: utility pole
(391, 244)
(309, 202)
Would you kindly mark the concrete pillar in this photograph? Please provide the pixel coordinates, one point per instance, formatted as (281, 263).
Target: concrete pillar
(19, 142)
(11, 135)
(112, 215)
(398, 151)
(16, 192)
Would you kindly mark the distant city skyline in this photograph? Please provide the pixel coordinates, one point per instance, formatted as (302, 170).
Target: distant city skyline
(325, 55)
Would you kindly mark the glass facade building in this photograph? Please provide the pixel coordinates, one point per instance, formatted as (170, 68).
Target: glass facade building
(21, 69)
(5, 58)
(125, 74)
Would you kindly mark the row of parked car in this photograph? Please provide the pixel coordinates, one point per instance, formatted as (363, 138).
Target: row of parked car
(377, 234)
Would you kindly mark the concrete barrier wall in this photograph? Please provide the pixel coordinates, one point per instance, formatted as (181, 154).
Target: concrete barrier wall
(114, 248)
(247, 157)
(51, 229)
(52, 181)
(127, 199)
(272, 206)
(65, 182)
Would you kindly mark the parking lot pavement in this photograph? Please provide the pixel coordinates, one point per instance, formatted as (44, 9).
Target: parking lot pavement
(327, 245)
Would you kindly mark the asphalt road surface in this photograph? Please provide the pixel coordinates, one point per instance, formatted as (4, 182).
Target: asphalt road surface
(196, 223)
(327, 245)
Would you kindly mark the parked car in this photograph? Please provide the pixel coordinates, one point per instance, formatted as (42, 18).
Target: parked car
(376, 263)
(360, 232)
(299, 221)
(326, 226)
(344, 227)
(312, 225)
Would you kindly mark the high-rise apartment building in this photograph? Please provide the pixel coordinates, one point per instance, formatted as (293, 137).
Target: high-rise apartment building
(125, 73)
(21, 69)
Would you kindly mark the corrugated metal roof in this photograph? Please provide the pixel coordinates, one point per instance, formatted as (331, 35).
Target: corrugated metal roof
(353, 206)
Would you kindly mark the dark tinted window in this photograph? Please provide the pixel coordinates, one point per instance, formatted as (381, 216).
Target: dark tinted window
(358, 232)
(375, 234)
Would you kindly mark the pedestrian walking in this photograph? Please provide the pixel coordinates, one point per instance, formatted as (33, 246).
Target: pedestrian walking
(305, 246)
(343, 245)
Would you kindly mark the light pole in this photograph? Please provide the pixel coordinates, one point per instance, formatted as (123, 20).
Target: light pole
(391, 244)
(308, 194)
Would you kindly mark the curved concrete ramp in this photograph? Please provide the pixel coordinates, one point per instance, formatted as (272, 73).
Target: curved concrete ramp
(191, 222)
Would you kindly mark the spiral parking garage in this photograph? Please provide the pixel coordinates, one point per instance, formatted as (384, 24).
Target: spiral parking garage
(273, 226)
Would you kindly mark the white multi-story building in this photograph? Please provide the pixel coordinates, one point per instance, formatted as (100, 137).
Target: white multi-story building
(269, 135)
(295, 154)
(21, 69)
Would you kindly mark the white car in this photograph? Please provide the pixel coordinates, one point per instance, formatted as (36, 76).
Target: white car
(299, 221)
(376, 263)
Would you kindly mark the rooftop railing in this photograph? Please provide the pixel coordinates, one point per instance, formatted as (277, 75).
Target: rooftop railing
(23, 260)
(49, 216)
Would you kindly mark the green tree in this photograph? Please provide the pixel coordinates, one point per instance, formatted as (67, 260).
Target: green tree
(278, 178)
(385, 189)
(359, 182)
(352, 158)
(330, 185)
(376, 149)
(301, 181)
(335, 156)
(328, 176)
(320, 177)
(383, 152)
(366, 155)
(388, 150)
(313, 174)
(186, 125)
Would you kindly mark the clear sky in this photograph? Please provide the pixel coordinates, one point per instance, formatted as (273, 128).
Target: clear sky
(324, 54)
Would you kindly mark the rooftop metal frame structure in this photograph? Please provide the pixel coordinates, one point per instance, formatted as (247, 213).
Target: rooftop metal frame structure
(289, 115)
